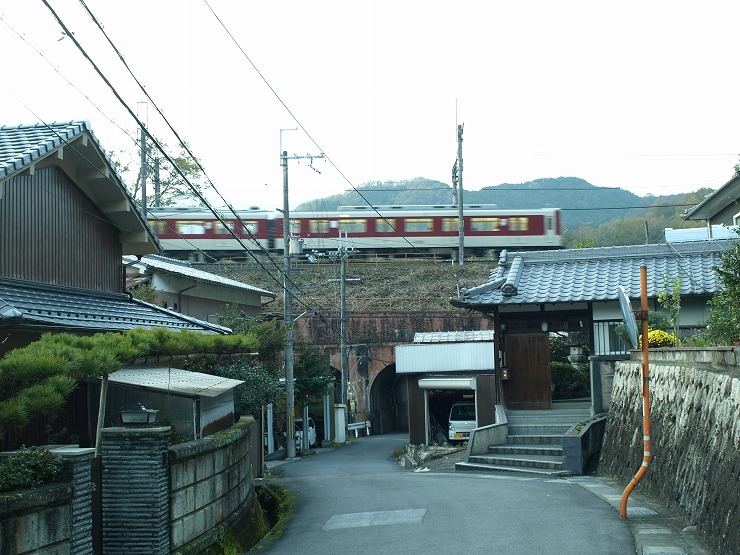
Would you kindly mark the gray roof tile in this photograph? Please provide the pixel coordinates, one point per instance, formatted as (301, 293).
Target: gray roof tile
(183, 268)
(24, 303)
(581, 275)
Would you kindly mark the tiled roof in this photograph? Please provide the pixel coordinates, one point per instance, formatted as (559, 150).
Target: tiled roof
(24, 145)
(46, 306)
(582, 275)
(182, 268)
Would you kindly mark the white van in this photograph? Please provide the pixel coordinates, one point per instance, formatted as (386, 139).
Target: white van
(462, 421)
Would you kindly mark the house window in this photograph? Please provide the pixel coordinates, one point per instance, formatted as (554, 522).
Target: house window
(450, 224)
(190, 227)
(484, 224)
(418, 225)
(319, 226)
(387, 225)
(353, 226)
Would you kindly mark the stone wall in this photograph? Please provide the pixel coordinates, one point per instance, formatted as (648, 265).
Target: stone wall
(51, 519)
(695, 425)
(210, 486)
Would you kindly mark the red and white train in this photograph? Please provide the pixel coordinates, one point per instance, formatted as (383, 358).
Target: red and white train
(373, 230)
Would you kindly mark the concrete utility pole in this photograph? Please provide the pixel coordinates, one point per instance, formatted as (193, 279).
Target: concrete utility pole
(157, 197)
(343, 348)
(288, 307)
(454, 183)
(143, 170)
(461, 248)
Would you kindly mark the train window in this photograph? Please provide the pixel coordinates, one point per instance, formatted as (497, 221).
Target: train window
(353, 226)
(418, 224)
(484, 224)
(158, 227)
(295, 227)
(221, 229)
(388, 225)
(318, 226)
(549, 223)
(518, 224)
(190, 227)
(250, 227)
(450, 224)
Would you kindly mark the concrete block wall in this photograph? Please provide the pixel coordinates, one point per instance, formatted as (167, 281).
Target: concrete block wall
(210, 480)
(135, 491)
(51, 519)
(695, 438)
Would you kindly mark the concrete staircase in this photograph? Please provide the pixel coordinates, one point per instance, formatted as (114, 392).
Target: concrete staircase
(535, 441)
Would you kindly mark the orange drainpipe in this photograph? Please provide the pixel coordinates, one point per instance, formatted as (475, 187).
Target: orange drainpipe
(645, 396)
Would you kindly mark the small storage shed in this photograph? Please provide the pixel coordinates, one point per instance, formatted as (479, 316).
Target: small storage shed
(441, 366)
(196, 404)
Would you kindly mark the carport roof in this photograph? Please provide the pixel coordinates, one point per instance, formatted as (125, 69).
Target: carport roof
(174, 380)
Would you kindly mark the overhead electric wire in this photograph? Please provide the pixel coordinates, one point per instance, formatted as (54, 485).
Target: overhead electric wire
(197, 193)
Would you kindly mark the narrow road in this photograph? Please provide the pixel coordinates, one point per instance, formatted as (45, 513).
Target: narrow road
(355, 499)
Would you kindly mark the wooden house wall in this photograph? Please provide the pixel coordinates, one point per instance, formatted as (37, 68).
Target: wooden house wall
(51, 232)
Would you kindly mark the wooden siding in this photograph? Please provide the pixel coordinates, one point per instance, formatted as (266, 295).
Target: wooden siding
(485, 398)
(51, 232)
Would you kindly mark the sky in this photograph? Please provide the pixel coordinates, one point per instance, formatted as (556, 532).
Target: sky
(639, 95)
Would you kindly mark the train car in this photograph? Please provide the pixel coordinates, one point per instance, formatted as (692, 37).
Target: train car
(370, 230)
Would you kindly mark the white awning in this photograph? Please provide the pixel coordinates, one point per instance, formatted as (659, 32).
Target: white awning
(447, 383)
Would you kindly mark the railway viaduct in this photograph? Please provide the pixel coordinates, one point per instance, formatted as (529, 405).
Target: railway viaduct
(387, 303)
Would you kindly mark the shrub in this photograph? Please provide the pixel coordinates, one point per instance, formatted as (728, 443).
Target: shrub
(660, 338)
(29, 467)
(567, 379)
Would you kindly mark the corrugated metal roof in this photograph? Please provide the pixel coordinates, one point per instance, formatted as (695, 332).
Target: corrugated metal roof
(417, 358)
(24, 303)
(174, 380)
(453, 336)
(582, 275)
(182, 268)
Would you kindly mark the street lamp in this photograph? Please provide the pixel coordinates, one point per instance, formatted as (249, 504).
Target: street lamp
(138, 416)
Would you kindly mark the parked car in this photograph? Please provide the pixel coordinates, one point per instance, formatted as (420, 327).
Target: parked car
(299, 434)
(462, 421)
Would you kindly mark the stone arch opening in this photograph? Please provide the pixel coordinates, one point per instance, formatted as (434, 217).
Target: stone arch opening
(389, 402)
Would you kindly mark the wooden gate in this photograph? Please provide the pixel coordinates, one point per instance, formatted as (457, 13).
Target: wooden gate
(528, 360)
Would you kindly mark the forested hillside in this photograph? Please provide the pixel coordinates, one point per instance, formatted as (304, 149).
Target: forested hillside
(592, 216)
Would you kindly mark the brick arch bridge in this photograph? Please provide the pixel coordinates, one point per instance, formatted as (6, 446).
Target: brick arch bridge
(379, 393)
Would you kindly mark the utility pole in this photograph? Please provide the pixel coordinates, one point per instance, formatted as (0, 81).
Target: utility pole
(143, 170)
(157, 197)
(288, 307)
(461, 249)
(454, 183)
(343, 348)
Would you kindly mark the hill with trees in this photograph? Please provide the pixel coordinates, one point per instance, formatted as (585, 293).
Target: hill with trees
(592, 216)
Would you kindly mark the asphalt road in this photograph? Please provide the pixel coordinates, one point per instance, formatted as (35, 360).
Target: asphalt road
(356, 499)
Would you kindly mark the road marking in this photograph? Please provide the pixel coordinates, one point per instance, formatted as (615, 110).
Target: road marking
(378, 518)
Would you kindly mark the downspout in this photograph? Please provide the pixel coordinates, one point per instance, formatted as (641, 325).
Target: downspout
(645, 396)
(179, 297)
